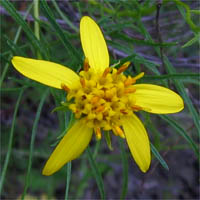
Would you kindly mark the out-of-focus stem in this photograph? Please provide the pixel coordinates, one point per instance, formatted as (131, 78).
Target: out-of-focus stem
(36, 24)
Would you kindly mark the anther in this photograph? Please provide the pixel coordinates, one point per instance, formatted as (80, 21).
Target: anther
(123, 111)
(100, 108)
(129, 81)
(140, 75)
(94, 99)
(106, 71)
(86, 65)
(119, 131)
(136, 108)
(98, 133)
(82, 81)
(64, 87)
(129, 90)
(123, 67)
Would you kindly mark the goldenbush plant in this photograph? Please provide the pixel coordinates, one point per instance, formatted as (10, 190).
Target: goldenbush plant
(153, 49)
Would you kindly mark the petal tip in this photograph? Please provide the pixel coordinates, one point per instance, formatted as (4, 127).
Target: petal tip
(182, 103)
(13, 59)
(85, 18)
(46, 172)
(144, 169)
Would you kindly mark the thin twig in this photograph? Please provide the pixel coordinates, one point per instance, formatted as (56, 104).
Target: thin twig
(158, 6)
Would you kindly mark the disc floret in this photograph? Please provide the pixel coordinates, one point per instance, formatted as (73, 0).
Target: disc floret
(103, 99)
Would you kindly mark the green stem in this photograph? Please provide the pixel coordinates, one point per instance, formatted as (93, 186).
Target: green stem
(68, 178)
(69, 164)
(5, 69)
(10, 141)
(35, 124)
(68, 22)
(36, 24)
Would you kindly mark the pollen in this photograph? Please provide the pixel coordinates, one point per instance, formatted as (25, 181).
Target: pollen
(103, 99)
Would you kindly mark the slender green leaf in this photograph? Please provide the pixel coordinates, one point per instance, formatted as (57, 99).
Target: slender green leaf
(187, 15)
(8, 154)
(5, 69)
(192, 41)
(134, 57)
(182, 76)
(18, 18)
(192, 81)
(10, 89)
(197, 12)
(96, 173)
(60, 108)
(182, 132)
(35, 124)
(96, 149)
(141, 42)
(125, 169)
(64, 17)
(158, 156)
(181, 89)
(25, 82)
(69, 164)
(68, 178)
(63, 37)
(108, 139)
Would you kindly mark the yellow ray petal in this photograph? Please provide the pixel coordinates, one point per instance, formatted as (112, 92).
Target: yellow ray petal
(157, 99)
(46, 72)
(69, 148)
(94, 45)
(138, 141)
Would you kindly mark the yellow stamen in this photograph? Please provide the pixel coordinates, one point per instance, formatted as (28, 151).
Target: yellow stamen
(123, 111)
(129, 81)
(98, 133)
(94, 99)
(100, 108)
(136, 108)
(103, 99)
(82, 81)
(140, 75)
(119, 131)
(123, 67)
(129, 90)
(64, 87)
(106, 71)
(86, 65)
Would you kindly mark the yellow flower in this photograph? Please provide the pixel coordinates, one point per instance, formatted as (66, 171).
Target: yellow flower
(102, 98)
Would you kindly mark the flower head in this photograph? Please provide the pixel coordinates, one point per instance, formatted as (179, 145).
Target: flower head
(102, 99)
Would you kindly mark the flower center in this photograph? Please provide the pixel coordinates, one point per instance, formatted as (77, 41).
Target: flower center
(102, 100)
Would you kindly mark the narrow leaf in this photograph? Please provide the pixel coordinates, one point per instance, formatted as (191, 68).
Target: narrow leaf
(181, 132)
(158, 156)
(18, 18)
(49, 14)
(35, 124)
(181, 89)
(96, 173)
(125, 170)
(8, 154)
